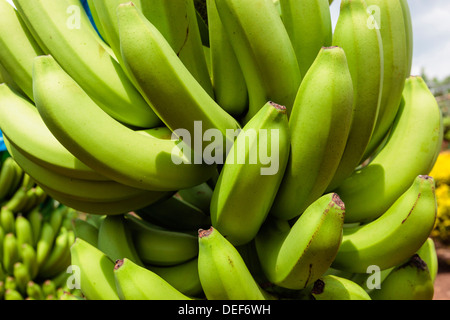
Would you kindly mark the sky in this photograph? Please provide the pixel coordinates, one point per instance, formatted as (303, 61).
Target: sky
(431, 36)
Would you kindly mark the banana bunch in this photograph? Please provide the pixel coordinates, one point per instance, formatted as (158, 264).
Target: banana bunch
(35, 238)
(225, 149)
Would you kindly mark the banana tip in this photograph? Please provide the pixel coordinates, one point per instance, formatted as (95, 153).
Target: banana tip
(337, 200)
(318, 287)
(118, 264)
(205, 233)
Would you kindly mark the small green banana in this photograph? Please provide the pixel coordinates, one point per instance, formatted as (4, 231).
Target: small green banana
(394, 236)
(35, 218)
(24, 232)
(332, 287)
(319, 125)
(7, 220)
(409, 281)
(52, 264)
(134, 282)
(96, 271)
(429, 255)
(45, 243)
(199, 196)
(10, 252)
(237, 209)
(34, 291)
(22, 276)
(294, 257)
(116, 241)
(86, 231)
(409, 34)
(12, 294)
(29, 258)
(7, 176)
(222, 271)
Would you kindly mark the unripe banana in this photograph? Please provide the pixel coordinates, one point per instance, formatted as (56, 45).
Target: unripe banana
(319, 127)
(394, 38)
(364, 51)
(18, 48)
(222, 271)
(115, 240)
(10, 252)
(7, 177)
(22, 276)
(409, 34)
(294, 258)
(395, 236)
(308, 24)
(167, 84)
(264, 52)
(429, 255)
(7, 220)
(52, 264)
(29, 259)
(237, 209)
(199, 196)
(35, 218)
(12, 294)
(332, 287)
(159, 246)
(96, 271)
(45, 242)
(183, 277)
(63, 30)
(86, 231)
(32, 137)
(24, 232)
(409, 281)
(227, 77)
(74, 118)
(34, 291)
(134, 282)
(411, 150)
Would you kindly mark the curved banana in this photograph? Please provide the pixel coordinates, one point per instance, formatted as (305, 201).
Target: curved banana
(308, 24)
(409, 281)
(7, 177)
(35, 218)
(364, 51)
(86, 231)
(294, 258)
(23, 230)
(34, 291)
(65, 32)
(227, 77)
(183, 277)
(332, 287)
(116, 241)
(52, 265)
(429, 255)
(7, 220)
(264, 52)
(18, 48)
(394, 236)
(387, 16)
(96, 271)
(319, 124)
(32, 137)
(175, 214)
(411, 150)
(74, 119)
(409, 34)
(45, 243)
(97, 22)
(134, 282)
(29, 259)
(10, 253)
(237, 209)
(168, 84)
(222, 271)
(159, 246)
(199, 196)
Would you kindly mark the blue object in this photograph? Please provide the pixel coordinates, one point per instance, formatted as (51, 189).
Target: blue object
(2, 143)
(89, 14)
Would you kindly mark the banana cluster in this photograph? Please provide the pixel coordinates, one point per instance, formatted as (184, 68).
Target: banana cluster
(244, 152)
(35, 238)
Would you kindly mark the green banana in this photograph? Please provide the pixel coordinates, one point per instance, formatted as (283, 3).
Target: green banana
(97, 22)
(183, 277)
(134, 282)
(86, 231)
(49, 289)
(23, 230)
(96, 271)
(45, 243)
(332, 287)
(167, 83)
(18, 201)
(7, 220)
(34, 291)
(227, 77)
(18, 48)
(294, 258)
(409, 35)
(409, 281)
(28, 257)
(309, 26)
(319, 126)
(22, 276)
(394, 236)
(222, 271)
(429, 255)
(52, 264)
(12, 294)
(411, 150)
(237, 209)
(394, 39)
(35, 218)
(31, 137)
(264, 51)
(10, 252)
(364, 51)
(159, 246)
(5, 77)
(153, 160)
(175, 214)
(65, 32)
(7, 176)
(2, 237)
(116, 241)
(199, 196)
